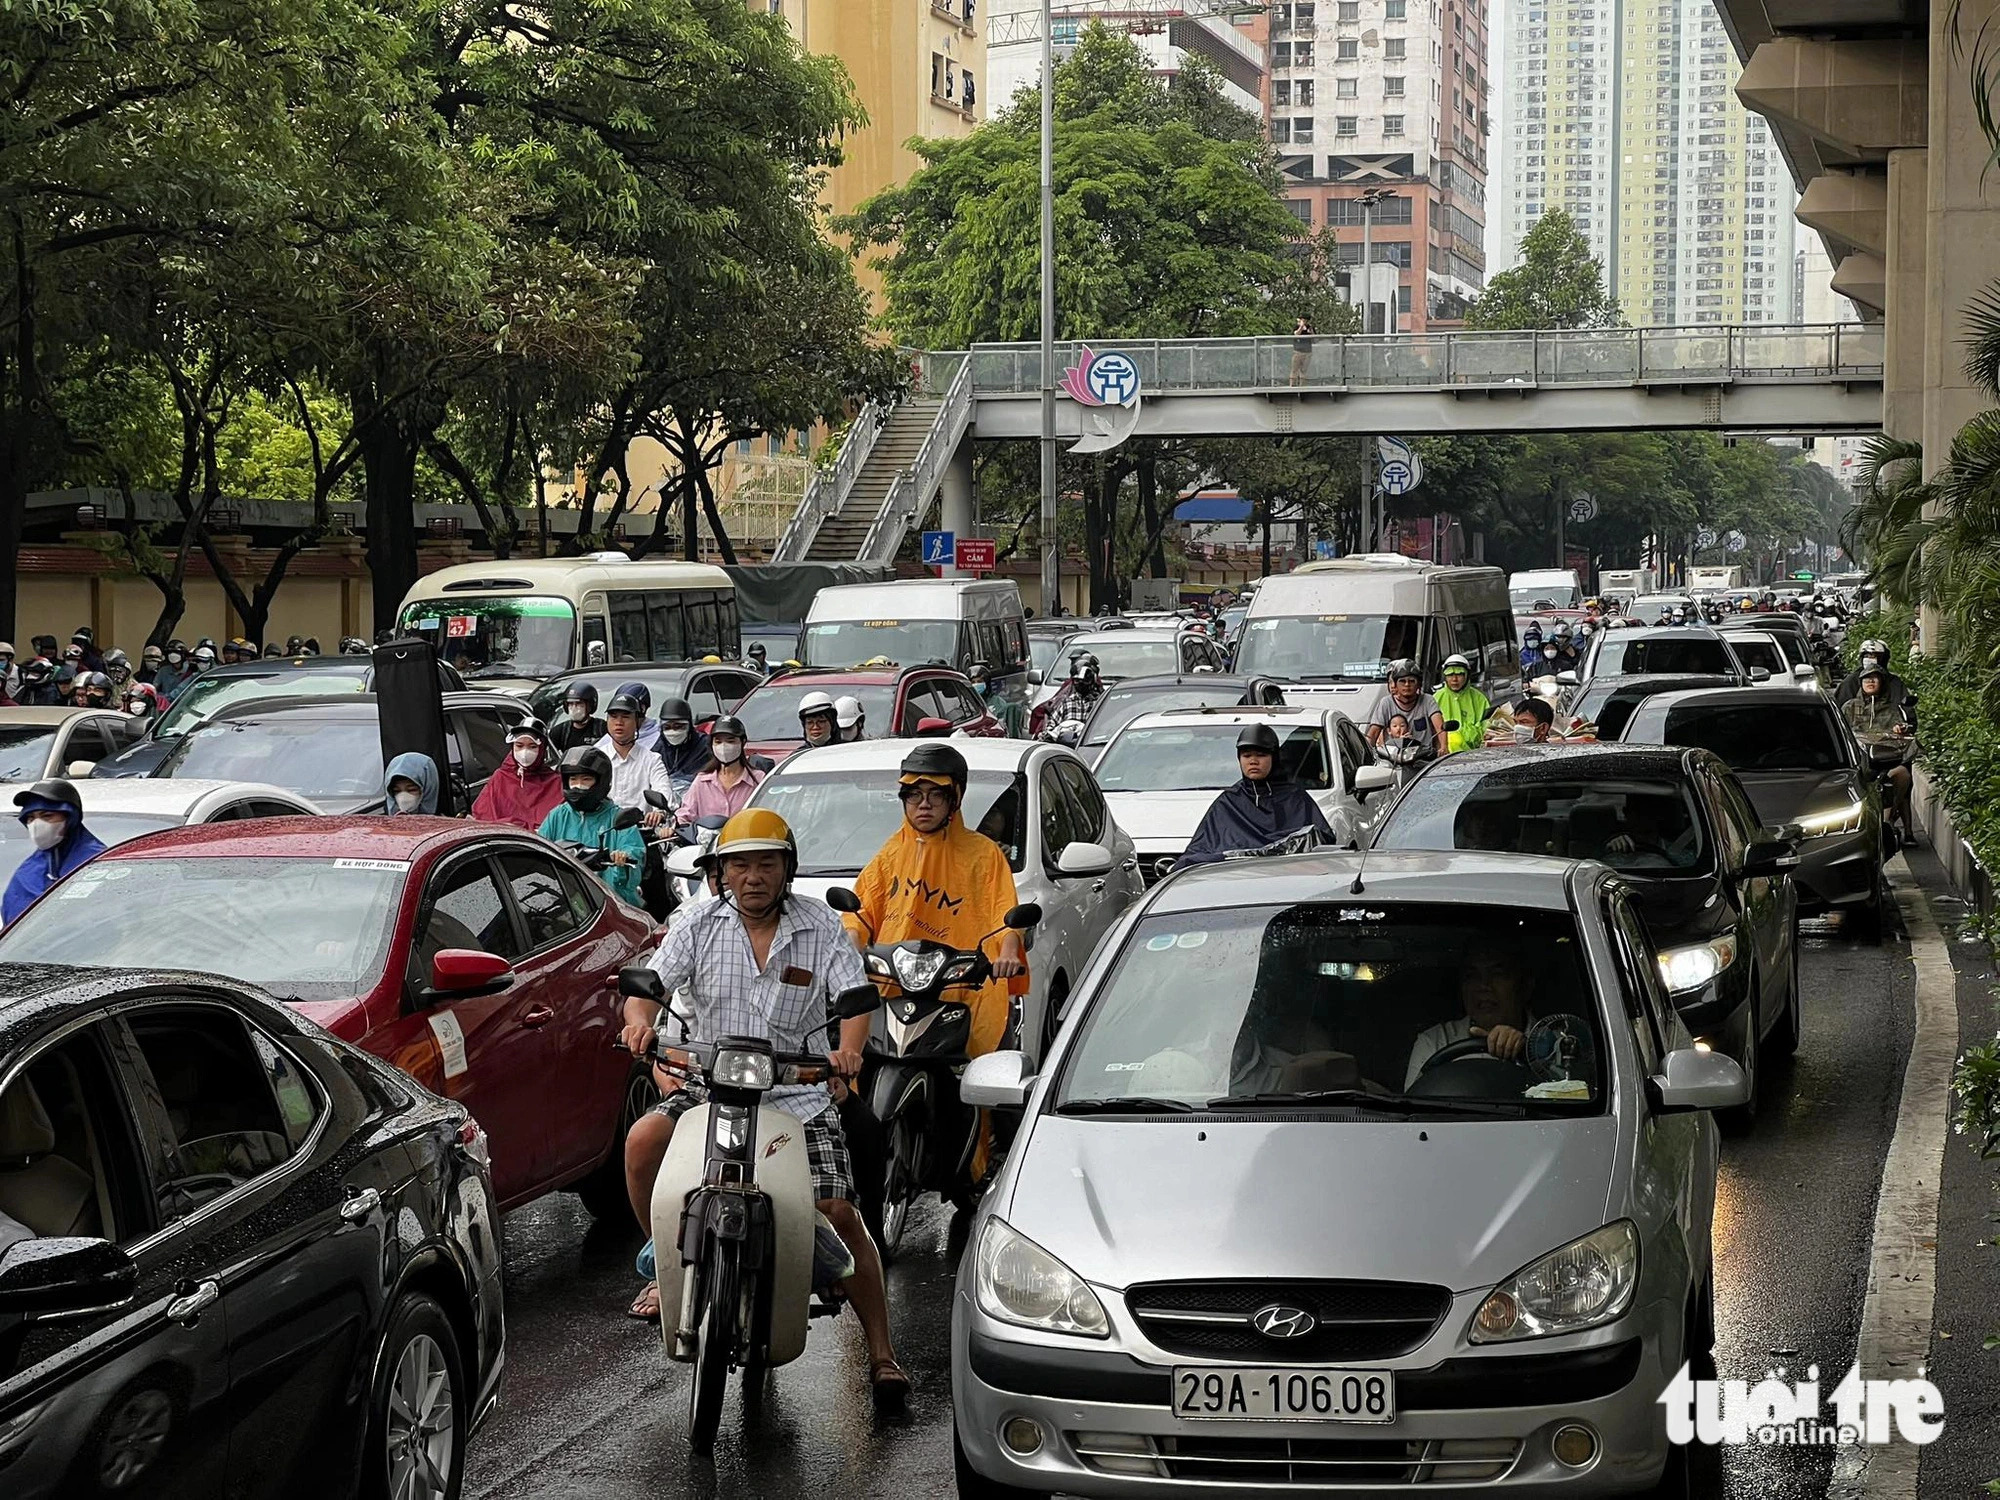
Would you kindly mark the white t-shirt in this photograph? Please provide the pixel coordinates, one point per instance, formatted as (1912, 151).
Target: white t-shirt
(635, 774)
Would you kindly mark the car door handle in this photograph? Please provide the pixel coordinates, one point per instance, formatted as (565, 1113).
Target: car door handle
(539, 1015)
(1096, 886)
(357, 1206)
(186, 1308)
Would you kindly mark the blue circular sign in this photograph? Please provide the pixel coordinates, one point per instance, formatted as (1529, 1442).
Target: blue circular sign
(1113, 379)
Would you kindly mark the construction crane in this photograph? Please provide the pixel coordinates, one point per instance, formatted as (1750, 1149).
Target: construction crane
(1142, 17)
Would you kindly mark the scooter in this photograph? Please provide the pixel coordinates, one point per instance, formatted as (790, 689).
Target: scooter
(596, 857)
(740, 1253)
(911, 1080)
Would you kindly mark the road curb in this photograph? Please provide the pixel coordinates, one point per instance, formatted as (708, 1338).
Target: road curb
(1902, 1264)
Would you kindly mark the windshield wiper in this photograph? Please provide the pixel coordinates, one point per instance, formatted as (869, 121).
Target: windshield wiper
(1129, 1104)
(1398, 1103)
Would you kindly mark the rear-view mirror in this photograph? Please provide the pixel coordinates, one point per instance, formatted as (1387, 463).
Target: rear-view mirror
(78, 769)
(1451, 726)
(1082, 858)
(658, 799)
(1024, 916)
(852, 1004)
(642, 983)
(996, 1080)
(1770, 857)
(64, 1275)
(1805, 671)
(1567, 679)
(1371, 779)
(840, 898)
(460, 973)
(928, 727)
(1760, 674)
(1692, 1078)
(1035, 676)
(631, 817)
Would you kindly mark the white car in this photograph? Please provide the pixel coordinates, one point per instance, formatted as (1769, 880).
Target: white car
(1037, 801)
(122, 808)
(39, 742)
(1163, 771)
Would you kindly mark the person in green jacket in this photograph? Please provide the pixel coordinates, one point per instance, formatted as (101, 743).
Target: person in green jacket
(586, 816)
(1459, 699)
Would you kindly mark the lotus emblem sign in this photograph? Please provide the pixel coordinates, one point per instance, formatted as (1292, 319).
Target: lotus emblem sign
(1280, 1321)
(1104, 388)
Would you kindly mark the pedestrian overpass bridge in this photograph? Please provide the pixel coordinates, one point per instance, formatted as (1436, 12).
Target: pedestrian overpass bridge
(1765, 378)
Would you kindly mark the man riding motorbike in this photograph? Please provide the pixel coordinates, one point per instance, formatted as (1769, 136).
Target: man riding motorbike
(579, 725)
(1531, 651)
(1879, 722)
(588, 816)
(849, 719)
(1260, 809)
(1407, 697)
(634, 771)
(1073, 703)
(757, 963)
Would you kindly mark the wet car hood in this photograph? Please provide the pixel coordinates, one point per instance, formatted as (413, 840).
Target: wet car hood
(1787, 796)
(1682, 910)
(1159, 821)
(1459, 1204)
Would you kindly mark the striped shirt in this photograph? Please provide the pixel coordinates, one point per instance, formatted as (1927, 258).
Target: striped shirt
(707, 956)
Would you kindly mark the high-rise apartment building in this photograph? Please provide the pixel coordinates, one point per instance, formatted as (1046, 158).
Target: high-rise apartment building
(1388, 94)
(1167, 33)
(1623, 113)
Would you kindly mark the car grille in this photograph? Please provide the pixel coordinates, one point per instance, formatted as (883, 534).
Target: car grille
(1276, 1463)
(1153, 868)
(1354, 1319)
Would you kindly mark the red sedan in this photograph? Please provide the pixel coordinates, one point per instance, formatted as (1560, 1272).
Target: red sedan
(477, 959)
(898, 702)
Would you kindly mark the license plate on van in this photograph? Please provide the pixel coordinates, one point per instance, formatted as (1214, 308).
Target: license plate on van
(1266, 1393)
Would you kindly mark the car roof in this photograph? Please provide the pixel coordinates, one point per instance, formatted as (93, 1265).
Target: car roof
(347, 706)
(1129, 633)
(981, 754)
(1754, 697)
(46, 716)
(1689, 632)
(357, 836)
(1561, 759)
(613, 668)
(1235, 713)
(1163, 681)
(36, 998)
(1481, 879)
(1776, 619)
(154, 794)
(861, 676)
(1645, 684)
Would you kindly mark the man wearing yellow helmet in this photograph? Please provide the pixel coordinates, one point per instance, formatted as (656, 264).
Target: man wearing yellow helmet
(754, 963)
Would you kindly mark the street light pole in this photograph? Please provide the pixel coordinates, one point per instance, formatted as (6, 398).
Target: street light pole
(1372, 505)
(1051, 557)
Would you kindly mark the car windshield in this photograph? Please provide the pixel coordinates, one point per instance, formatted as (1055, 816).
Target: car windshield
(907, 643)
(1128, 656)
(1338, 648)
(324, 936)
(1650, 607)
(1789, 644)
(1202, 758)
(331, 759)
(1373, 1000)
(208, 694)
(1643, 826)
(1545, 596)
(1051, 654)
(108, 828)
(1608, 703)
(771, 711)
(843, 818)
(1623, 657)
(24, 751)
(526, 636)
(1765, 736)
(1120, 706)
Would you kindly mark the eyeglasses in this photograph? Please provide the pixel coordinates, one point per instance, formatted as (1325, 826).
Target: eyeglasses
(925, 791)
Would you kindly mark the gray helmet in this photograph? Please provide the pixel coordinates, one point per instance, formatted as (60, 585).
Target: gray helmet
(1257, 736)
(1402, 667)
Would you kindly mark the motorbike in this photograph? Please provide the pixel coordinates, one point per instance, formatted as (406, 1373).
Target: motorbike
(685, 879)
(910, 1078)
(596, 857)
(740, 1248)
(1300, 841)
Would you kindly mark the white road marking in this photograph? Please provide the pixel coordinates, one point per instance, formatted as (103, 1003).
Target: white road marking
(1902, 1266)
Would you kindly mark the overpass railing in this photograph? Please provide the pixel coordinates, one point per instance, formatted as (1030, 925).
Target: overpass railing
(1707, 354)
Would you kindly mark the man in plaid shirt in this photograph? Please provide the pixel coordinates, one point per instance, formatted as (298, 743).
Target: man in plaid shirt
(756, 963)
(1073, 704)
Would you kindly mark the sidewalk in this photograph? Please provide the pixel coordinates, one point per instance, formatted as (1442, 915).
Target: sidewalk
(1957, 1465)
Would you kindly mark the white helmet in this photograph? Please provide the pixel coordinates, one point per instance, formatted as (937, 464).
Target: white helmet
(1875, 648)
(847, 712)
(815, 703)
(1456, 662)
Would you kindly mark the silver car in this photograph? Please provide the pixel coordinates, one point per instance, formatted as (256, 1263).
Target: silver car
(1279, 1217)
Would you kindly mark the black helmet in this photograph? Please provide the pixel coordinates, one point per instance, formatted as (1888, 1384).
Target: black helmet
(1081, 661)
(353, 645)
(271, 649)
(586, 760)
(1259, 736)
(294, 644)
(728, 726)
(207, 640)
(97, 682)
(36, 670)
(581, 692)
(624, 701)
(55, 789)
(676, 710)
(529, 725)
(933, 760)
(177, 644)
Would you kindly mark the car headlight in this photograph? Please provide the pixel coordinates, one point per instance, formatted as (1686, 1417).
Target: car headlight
(1585, 1283)
(740, 1069)
(1692, 967)
(917, 970)
(1843, 819)
(1020, 1282)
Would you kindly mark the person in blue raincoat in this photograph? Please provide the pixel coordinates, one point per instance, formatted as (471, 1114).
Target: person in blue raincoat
(587, 816)
(410, 785)
(1263, 807)
(52, 812)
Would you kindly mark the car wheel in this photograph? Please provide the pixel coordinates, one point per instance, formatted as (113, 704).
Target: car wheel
(603, 1192)
(1784, 1038)
(417, 1413)
(1694, 1472)
(130, 1437)
(972, 1485)
(1864, 923)
(1739, 1120)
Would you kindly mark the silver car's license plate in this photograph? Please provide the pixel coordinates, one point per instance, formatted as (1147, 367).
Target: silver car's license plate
(1257, 1394)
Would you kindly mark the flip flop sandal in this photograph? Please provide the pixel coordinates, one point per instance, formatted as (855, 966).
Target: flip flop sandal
(889, 1383)
(635, 1311)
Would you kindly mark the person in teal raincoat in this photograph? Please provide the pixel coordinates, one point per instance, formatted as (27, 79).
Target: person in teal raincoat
(586, 816)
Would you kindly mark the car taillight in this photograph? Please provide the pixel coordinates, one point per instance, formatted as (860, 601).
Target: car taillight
(423, 1060)
(472, 1141)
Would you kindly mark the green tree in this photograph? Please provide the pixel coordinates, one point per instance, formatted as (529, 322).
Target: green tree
(1558, 284)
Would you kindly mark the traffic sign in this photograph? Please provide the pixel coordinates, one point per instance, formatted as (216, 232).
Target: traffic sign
(1736, 541)
(1582, 507)
(977, 556)
(937, 549)
(1705, 538)
(1398, 470)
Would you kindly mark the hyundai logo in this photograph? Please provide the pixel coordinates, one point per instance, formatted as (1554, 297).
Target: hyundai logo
(1281, 1322)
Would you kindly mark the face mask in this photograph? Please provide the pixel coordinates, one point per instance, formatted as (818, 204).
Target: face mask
(408, 801)
(44, 834)
(675, 736)
(135, 709)
(578, 714)
(525, 757)
(1871, 661)
(1549, 652)
(727, 751)
(175, 659)
(1524, 732)
(579, 797)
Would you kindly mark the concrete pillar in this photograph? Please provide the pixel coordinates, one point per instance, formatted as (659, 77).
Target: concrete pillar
(1851, 206)
(956, 511)
(1903, 316)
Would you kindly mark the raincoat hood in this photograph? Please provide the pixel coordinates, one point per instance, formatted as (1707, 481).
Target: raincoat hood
(521, 795)
(412, 766)
(44, 867)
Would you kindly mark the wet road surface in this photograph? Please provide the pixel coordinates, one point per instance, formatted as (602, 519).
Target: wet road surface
(593, 1408)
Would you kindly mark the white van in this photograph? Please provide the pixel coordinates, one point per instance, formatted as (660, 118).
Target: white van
(1545, 588)
(910, 621)
(508, 624)
(1328, 630)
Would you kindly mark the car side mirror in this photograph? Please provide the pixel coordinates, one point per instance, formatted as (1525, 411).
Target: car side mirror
(1770, 857)
(1034, 676)
(928, 727)
(1567, 679)
(78, 769)
(65, 1275)
(1450, 726)
(1081, 858)
(1024, 916)
(1760, 674)
(463, 973)
(641, 982)
(1369, 780)
(1804, 671)
(996, 1080)
(631, 817)
(685, 862)
(840, 898)
(851, 1004)
(1692, 1078)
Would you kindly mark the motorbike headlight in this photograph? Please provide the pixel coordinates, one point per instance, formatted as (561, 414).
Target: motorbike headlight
(1587, 1282)
(916, 970)
(1843, 819)
(1020, 1282)
(1693, 966)
(737, 1068)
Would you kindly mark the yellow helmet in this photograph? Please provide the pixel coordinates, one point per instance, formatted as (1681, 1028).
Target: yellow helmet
(754, 829)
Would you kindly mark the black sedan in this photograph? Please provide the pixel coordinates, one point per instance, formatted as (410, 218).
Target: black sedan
(1800, 765)
(237, 1256)
(1125, 700)
(1711, 881)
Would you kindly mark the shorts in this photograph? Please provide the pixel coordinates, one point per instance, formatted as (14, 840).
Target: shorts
(826, 1146)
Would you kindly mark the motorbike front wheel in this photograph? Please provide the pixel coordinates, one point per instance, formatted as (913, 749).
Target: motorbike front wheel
(716, 1304)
